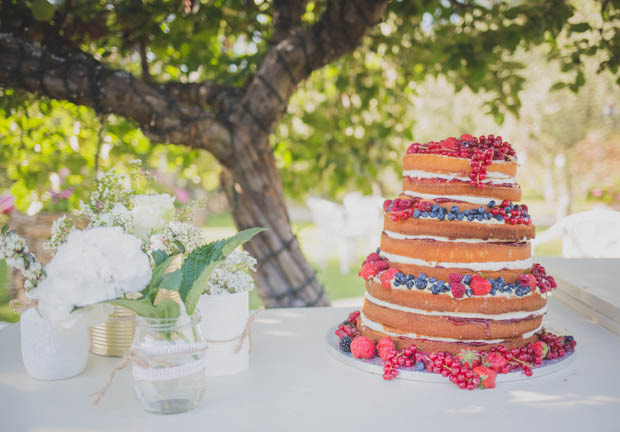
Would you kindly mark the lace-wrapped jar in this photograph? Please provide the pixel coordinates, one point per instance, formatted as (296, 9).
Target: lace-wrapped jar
(169, 363)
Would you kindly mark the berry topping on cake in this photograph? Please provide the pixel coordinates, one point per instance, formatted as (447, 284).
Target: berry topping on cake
(480, 285)
(387, 276)
(362, 347)
(540, 348)
(458, 289)
(486, 376)
(368, 271)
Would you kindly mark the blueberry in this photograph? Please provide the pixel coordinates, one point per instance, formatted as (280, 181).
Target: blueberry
(479, 217)
(378, 250)
(420, 284)
(431, 279)
(396, 282)
(441, 216)
(499, 217)
(471, 218)
(567, 339)
(493, 291)
(454, 209)
(491, 204)
(516, 207)
(434, 289)
(510, 286)
(507, 209)
(466, 212)
(410, 284)
(419, 365)
(422, 276)
(410, 277)
(481, 210)
(433, 214)
(424, 214)
(389, 209)
(443, 210)
(468, 292)
(399, 275)
(519, 292)
(416, 213)
(500, 280)
(435, 208)
(451, 217)
(467, 279)
(460, 216)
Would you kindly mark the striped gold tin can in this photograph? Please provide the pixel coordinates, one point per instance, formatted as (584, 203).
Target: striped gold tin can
(114, 337)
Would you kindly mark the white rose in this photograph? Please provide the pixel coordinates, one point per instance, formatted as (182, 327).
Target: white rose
(93, 266)
(150, 213)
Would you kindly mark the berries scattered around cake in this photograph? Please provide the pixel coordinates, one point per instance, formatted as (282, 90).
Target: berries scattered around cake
(469, 369)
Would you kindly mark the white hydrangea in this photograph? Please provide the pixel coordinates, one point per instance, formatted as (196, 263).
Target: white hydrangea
(92, 266)
(151, 213)
(232, 274)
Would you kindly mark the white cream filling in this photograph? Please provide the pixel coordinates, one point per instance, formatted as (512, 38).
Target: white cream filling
(495, 317)
(465, 198)
(379, 328)
(488, 266)
(399, 236)
(492, 177)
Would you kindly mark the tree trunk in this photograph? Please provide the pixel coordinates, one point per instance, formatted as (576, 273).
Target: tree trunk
(254, 190)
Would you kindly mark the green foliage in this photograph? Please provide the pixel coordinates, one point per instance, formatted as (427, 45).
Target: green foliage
(345, 124)
(143, 307)
(199, 265)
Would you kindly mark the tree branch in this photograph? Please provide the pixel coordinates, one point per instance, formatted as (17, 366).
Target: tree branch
(338, 32)
(286, 18)
(79, 78)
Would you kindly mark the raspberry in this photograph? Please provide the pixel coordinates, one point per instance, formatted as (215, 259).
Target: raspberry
(385, 342)
(362, 347)
(368, 271)
(425, 206)
(458, 289)
(387, 276)
(373, 257)
(345, 344)
(527, 279)
(480, 285)
(455, 277)
(380, 265)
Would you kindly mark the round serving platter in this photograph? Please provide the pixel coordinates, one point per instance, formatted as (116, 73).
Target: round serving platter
(375, 365)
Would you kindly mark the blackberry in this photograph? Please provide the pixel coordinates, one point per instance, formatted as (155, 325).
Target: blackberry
(345, 343)
(347, 323)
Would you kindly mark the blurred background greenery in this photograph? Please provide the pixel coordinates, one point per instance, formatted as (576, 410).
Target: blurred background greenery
(349, 123)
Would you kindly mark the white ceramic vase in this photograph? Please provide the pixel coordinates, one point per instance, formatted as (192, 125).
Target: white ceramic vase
(50, 352)
(224, 317)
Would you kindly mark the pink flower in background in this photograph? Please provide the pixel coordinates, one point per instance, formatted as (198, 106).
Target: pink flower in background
(597, 192)
(7, 203)
(181, 194)
(63, 194)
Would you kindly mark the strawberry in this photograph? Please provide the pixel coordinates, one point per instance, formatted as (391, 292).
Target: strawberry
(458, 289)
(540, 348)
(380, 265)
(486, 376)
(387, 276)
(362, 347)
(480, 285)
(450, 144)
(527, 279)
(468, 356)
(368, 271)
(495, 361)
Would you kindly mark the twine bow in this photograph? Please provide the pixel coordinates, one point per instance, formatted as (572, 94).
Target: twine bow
(247, 331)
(20, 306)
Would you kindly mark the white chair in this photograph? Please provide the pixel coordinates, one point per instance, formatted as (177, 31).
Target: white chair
(589, 234)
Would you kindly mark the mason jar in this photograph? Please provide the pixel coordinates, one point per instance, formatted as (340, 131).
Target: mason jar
(169, 363)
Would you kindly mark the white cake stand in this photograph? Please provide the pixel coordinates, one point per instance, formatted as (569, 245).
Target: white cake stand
(375, 365)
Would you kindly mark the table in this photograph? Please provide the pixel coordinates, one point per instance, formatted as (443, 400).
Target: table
(295, 384)
(590, 286)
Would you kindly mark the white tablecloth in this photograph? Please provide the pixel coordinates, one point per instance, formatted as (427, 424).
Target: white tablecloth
(295, 384)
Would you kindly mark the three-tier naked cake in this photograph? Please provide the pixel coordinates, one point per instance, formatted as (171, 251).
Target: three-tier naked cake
(454, 269)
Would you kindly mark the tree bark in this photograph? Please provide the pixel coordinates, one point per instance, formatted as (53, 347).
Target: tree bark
(232, 124)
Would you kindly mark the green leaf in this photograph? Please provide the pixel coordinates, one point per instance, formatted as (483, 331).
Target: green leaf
(579, 27)
(198, 265)
(5, 229)
(558, 86)
(142, 307)
(159, 256)
(158, 274)
(167, 309)
(171, 281)
(180, 246)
